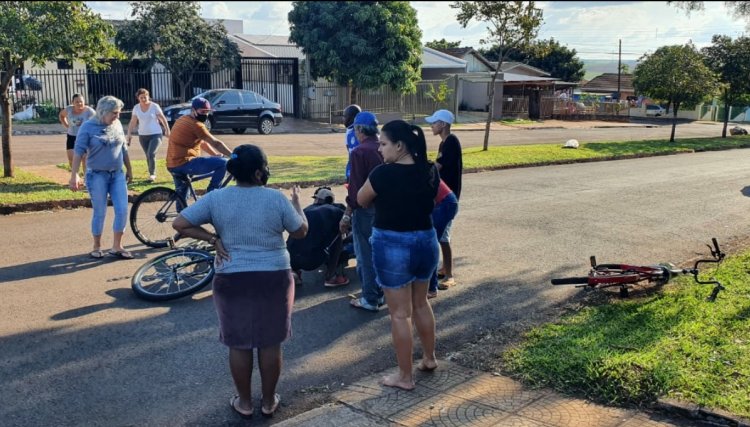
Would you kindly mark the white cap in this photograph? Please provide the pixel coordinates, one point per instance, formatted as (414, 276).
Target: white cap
(442, 115)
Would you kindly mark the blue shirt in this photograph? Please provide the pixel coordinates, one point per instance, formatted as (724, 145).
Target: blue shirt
(104, 146)
(351, 142)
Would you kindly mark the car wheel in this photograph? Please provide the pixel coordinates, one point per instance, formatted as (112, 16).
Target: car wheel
(239, 130)
(265, 126)
(209, 124)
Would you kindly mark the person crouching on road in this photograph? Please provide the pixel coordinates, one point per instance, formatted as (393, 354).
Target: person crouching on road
(323, 243)
(253, 287)
(102, 140)
(404, 243)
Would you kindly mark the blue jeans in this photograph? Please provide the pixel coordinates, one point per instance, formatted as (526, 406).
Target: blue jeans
(150, 144)
(442, 216)
(201, 166)
(103, 183)
(362, 220)
(403, 257)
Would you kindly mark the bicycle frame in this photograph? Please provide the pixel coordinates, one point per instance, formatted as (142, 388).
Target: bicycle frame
(624, 275)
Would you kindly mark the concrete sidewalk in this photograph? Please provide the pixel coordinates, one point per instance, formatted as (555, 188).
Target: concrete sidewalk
(457, 396)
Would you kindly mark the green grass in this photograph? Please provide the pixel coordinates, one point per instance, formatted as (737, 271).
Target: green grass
(310, 170)
(673, 344)
(28, 188)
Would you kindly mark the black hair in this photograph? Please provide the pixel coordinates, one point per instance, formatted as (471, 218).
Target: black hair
(75, 95)
(350, 113)
(245, 160)
(413, 139)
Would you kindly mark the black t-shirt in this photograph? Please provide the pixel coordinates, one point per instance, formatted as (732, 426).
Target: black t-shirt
(405, 196)
(323, 227)
(451, 163)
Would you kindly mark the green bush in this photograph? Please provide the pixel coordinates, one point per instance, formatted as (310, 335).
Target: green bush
(47, 110)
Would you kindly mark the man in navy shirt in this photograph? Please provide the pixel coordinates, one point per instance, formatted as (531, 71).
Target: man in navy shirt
(450, 164)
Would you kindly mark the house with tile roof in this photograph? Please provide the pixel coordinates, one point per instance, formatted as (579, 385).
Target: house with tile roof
(606, 84)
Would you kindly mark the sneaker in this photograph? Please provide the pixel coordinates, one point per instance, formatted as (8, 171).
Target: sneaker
(446, 283)
(336, 281)
(361, 303)
(152, 178)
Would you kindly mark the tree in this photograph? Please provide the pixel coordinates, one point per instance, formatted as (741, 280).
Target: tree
(443, 44)
(740, 9)
(362, 45)
(676, 74)
(44, 31)
(548, 55)
(731, 61)
(174, 35)
(439, 96)
(511, 24)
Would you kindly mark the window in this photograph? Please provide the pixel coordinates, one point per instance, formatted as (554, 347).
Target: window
(231, 97)
(249, 97)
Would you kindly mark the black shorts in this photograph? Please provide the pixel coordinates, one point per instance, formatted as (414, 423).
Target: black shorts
(71, 142)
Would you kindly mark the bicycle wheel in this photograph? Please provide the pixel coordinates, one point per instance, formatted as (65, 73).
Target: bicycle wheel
(152, 214)
(174, 275)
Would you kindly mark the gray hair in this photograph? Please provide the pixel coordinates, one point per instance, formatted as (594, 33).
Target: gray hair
(108, 104)
(367, 130)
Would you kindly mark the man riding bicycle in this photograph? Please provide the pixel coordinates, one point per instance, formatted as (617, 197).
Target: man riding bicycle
(189, 134)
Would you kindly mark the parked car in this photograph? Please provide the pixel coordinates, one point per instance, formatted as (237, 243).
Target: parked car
(655, 110)
(234, 109)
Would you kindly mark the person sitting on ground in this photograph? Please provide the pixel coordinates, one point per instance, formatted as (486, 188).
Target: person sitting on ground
(323, 243)
(188, 136)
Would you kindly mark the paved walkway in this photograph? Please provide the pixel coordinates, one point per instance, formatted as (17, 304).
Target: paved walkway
(456, 396)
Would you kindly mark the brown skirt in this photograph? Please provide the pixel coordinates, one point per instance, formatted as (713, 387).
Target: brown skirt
(254, 308)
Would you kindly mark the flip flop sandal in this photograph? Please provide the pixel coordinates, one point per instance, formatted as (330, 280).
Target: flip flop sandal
(276, 403)
(233, 403)
(121, 254)
(98, 254)
(363, 305)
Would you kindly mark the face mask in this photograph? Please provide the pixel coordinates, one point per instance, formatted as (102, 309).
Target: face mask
(201, 117)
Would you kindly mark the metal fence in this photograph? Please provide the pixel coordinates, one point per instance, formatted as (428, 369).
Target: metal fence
(275, 78)
(331, 99)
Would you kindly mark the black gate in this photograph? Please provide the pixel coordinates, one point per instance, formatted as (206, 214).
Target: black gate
(275, 78)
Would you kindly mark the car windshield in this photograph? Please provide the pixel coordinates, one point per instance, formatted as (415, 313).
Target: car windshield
(210, 95)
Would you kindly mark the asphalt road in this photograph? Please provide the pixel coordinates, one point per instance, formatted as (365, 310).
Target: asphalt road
(34, 150)
(77, 348)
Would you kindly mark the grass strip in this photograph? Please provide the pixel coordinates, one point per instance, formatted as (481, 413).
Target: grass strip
(630, 352)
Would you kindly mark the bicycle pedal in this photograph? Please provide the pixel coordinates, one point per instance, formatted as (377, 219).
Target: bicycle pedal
(170, 242)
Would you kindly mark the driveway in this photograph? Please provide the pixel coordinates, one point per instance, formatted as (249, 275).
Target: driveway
(79, 349)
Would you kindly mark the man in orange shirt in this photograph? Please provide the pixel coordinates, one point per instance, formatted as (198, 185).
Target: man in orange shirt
(188, 136)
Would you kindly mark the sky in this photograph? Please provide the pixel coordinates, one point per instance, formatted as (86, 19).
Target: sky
(592, 28)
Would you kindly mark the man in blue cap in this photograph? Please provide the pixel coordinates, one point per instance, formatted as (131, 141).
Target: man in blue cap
(364, 158)
(189, 134)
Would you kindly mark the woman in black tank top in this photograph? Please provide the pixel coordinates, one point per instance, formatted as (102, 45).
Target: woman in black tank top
(404, 243)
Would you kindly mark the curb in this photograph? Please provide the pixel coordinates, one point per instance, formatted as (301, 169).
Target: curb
(693, 411)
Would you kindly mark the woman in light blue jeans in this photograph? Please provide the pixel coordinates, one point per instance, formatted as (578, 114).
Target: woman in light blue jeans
(405, 249)
(102, 139)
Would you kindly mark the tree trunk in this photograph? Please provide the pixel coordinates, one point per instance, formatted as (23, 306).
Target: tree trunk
(491, 109)
(676, 106)
(353, 95)
(726, 117)
(7, 119)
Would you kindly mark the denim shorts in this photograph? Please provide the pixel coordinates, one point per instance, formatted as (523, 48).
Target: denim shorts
(442, 217)
(402, 257)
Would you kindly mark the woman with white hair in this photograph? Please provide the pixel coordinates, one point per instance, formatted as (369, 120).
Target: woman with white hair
(102, 140)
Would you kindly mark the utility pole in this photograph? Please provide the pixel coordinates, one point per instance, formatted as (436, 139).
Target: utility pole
(619, 69)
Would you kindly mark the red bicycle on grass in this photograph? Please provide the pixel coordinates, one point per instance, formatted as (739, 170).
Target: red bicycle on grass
(623, 275)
